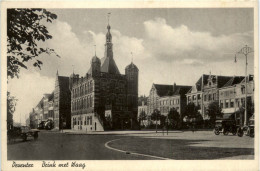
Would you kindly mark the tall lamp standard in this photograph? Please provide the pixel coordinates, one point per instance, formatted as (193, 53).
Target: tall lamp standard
(245, 51)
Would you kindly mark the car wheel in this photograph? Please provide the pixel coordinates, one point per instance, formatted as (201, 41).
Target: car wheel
(24, 137)
(216, 132)
(35, 136)
(252, 134)
(225, 132)
(240, 133)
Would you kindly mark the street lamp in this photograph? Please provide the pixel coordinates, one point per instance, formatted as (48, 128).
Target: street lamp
(245, 51)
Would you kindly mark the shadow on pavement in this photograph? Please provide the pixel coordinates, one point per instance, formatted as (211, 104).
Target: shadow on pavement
(178, 149)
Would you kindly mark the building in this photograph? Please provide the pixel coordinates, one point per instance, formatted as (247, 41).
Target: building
(104, 99)
(156, 92)
(50, 106)
(45, 106)
(175, 98)
(142, 107)
(164, 97)
(206, 91)
(62, 103)
(38, 110)
(232, 95)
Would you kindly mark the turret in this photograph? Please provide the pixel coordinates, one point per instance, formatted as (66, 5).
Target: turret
(73, 78)
(131, 72)
(95, 65)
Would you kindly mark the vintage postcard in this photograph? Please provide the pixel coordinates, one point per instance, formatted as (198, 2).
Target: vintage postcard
(121, 85)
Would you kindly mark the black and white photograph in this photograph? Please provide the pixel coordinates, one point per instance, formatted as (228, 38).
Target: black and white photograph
(132, 83)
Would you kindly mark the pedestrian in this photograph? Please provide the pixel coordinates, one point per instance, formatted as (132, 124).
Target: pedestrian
(193, 127)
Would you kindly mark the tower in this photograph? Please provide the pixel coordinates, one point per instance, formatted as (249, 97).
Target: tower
(95, 65)
(109, 65)
(131, 72)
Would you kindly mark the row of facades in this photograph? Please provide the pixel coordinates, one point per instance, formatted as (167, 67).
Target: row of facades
(102, 98)
(229, 91)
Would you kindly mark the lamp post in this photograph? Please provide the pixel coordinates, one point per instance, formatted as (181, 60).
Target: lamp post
(245, 51)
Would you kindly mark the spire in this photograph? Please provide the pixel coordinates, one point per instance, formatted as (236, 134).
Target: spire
(57, 73)
(73, 69)
(108, 35)
(132, 56)
(95, 50)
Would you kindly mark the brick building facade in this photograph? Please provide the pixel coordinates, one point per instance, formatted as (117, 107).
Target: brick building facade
(104, 98)
(62, 102)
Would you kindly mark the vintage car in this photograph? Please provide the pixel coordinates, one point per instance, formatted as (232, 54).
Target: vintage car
(41, 125)
(22, 132)
(49, 124)
(248, 129)
(225, 127)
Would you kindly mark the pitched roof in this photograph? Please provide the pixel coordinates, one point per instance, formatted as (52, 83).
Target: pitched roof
(251, 78)
(222, 80)
(164, 90)
(170, 90)
(234, 80)
(108, 65)
(51, 96)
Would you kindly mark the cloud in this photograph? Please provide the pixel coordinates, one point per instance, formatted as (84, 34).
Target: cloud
(180, 43)
(29, 90)
(164, 55)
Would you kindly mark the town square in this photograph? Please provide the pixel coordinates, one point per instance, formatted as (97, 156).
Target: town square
(131, 84)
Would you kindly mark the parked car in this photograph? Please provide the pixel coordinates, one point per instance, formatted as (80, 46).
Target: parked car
(225, 127)
(248, 129)
(22, 132)
(49, 124)
(41, 125)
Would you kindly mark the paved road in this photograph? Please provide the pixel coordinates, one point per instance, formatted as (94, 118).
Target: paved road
(176, 145)
(58, 146)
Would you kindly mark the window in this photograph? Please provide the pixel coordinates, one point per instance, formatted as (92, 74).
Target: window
(232, 103)
(210, 97)
(205, 97)
(226, 103)
(221, 104)
(90, 120)
(194, 97)
(243, 102)
(243, 90)
(237, 103)
(199, 97)
(214, 96)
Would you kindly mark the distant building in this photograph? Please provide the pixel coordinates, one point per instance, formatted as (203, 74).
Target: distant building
(34, 119)
(232, 94)
(50, 106)
(45, 106)
(104, 98)
(165, 97)
(39, 112)
(142, 107)
(206, 91)
(62, 103)
(175, 98)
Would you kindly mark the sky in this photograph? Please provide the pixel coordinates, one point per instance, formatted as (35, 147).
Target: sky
(168, 45)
